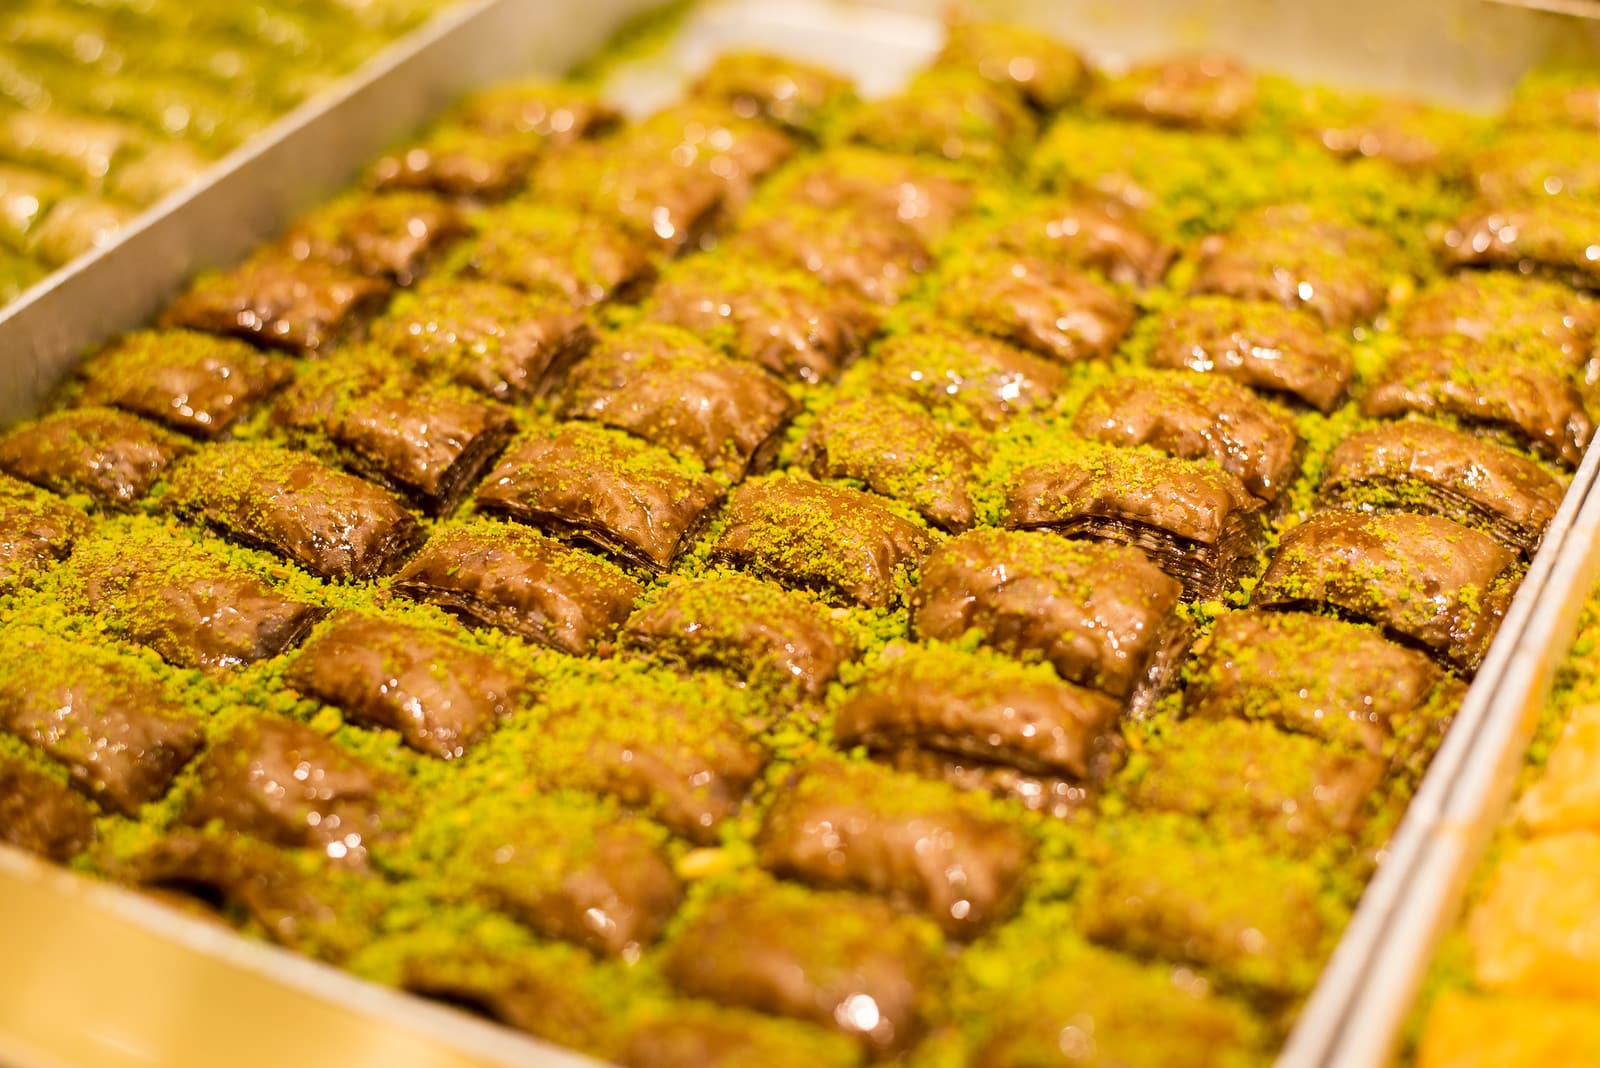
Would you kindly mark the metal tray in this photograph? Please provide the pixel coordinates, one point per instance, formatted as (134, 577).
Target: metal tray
(99, 976)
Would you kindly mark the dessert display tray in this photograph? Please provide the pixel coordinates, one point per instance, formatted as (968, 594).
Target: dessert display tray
(100, 976)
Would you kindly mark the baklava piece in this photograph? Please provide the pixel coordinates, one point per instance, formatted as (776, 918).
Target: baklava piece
(334, 525)
(1522, 166)
(1118, 1012)
(948, 114)
(706, 138)
(36, 531)
(282, 782)
(552, 112)
(550, 250)
(1297, 256)
(294, 903)
(458, 162)
(696, 1035)
(40, 815)
(1196, 418)
(947, 370)
(601, 488)
(668, 207)
(1261, 345)
(674, 748)
(1341, 683)
(929, 196)
(808, 534)
(1416, 465)
(387, 235)
(439, 694)
(580, 874)
(783, 320)
(1519, 394)
(499, 575)
(1413, 136)
(980, 706)
(430, 442)
(492, 338)
(108, 720)
(1555, 235)
(543, 994)
(843, 961)
(749, 628)
(1103, 238)
(1245, 778)
(186, 602)
(1058, 796)
(1252, 920)
(278, 302)
(801, 97)
(1427, 580)
(1196, 521)
(196, 383)
(110, 456)
(899, 450)
(1203, 91)
(1042, 305)
(1103, 615)
(670, 388)
(1500, 310)
(874, 256)
(1045, 72)
(923, 845)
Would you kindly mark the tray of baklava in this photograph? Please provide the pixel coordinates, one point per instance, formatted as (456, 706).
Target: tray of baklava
(973, 575)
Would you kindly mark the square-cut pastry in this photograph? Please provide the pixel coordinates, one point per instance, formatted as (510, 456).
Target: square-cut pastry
(815, 956)
(1518, 393)
(1196, 418)
(332, 524)
(1258, 344)
(814, 535)
(193, 382)
(278, 302)
(600, 487)
(111, 456)
(501, 575)
(861, 826)
(1301, 257)
(1422, 578)
(1044, 306)
(979, 705)
(188, 602)
(439, 694)
(1418, 465)
(1196, 521)
(783, 320)
(495, 339)
(752, 629)
(899, 450)
(36, 531)
(1103, 615)
(110, 721)
(668, 387)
